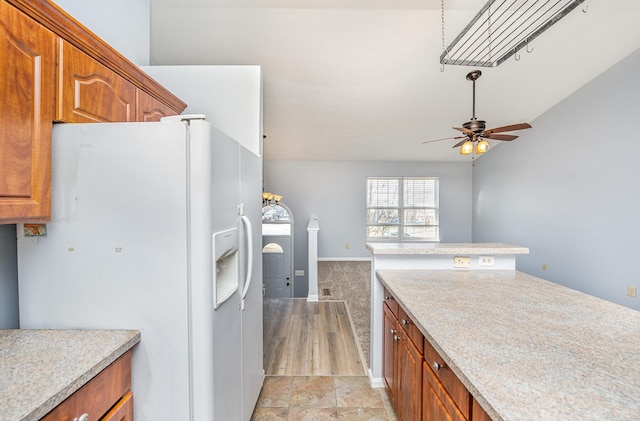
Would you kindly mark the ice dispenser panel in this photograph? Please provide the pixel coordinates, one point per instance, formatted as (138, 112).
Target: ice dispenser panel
(225, 265)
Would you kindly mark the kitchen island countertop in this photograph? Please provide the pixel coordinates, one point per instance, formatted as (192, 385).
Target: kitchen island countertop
(41, 368)
(526, 348)
(402, 248)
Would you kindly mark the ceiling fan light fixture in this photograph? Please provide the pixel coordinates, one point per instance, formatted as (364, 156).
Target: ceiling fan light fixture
(482, 147)
(466, 148)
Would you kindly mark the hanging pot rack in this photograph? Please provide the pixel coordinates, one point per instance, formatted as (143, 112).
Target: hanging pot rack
(501, 28)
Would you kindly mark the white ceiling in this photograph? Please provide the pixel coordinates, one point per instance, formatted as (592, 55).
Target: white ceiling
(361, 79)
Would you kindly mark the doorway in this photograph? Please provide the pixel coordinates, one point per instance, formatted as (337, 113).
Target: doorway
(277, 251)
(276, 267)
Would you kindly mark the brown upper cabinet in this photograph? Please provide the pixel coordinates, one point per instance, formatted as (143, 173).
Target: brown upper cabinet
(52, 68)
(27, 77)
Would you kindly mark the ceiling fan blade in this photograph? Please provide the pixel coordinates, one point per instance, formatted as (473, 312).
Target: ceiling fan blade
(506, 137)
(509, 128)
(444, 138)
(460, 143)
(463, 130)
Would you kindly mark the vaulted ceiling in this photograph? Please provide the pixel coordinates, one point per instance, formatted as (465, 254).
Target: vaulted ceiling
(361, 79)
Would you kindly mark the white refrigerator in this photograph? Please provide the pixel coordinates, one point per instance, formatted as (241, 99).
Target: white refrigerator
(154, 228)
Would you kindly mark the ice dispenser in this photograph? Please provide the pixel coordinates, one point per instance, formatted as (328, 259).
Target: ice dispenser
(225, 265)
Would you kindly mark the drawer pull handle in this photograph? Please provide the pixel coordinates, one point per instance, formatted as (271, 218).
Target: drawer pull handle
(393, 332)
(386, 297)
(436, 366)
(83, 417)
(405, 322)
(396, 338)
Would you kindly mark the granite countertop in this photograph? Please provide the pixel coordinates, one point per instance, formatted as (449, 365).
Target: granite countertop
(526, 348)
(444, 248)
(41, 368)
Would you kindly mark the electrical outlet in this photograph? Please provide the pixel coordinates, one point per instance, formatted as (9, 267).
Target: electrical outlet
(486, 260)
(346, 246)
(461, 262)
(631, 291)
(299, 272)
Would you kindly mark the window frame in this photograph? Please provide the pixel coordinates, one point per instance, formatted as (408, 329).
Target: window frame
(401, 208)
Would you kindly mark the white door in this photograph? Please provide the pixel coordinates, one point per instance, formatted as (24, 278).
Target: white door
(276, 262)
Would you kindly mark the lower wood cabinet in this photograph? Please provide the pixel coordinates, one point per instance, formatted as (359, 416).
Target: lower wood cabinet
(402, 363)
(420, 384)
(106, 397)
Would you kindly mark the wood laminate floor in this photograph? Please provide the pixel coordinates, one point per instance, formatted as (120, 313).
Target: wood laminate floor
(309, 339)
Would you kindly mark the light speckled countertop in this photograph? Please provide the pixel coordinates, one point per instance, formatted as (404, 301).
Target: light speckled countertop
(41, 368)
(526, 348)
(444, 248)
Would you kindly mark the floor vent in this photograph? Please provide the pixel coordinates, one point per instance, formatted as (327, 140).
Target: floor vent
(326, 292)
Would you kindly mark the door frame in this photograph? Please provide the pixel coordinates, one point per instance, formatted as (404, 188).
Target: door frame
(266, 237)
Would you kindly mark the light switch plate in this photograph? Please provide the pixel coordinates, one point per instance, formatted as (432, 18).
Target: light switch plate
(299, 272)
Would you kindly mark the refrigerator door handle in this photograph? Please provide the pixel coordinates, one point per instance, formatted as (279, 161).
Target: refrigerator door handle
(248, 232)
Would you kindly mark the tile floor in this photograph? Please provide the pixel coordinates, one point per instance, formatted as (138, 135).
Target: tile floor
(317, 398)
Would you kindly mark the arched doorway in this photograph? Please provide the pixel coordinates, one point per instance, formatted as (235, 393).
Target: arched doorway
(277, 251)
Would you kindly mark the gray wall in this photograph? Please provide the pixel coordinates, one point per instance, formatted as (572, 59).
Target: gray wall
(123, 24)
(335, 193)
(569, 189)
(9, 317)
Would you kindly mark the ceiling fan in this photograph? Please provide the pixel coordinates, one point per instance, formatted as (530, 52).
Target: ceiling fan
(475, 131)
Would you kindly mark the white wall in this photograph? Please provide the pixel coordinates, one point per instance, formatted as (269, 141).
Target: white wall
(335, 192)
(569, 189)
(230, 97)
(9, 317)
(123, 24)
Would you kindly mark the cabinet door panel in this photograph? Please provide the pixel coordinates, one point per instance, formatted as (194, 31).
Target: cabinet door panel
(410, 388)
(389, 357)
(90, 92)
(27, 57)
(478, 413)
(150, 109)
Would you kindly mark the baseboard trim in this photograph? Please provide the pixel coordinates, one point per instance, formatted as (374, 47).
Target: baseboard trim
(376, 382)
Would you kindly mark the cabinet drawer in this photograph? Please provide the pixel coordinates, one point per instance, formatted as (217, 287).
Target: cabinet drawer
(122, 411)
(391, 302)
(449, 380)
(437, 404)
(89, 92)
(98, 395)
(411, 329)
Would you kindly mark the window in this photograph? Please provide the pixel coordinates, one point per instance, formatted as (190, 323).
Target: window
(402, 208)
(276, 220)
